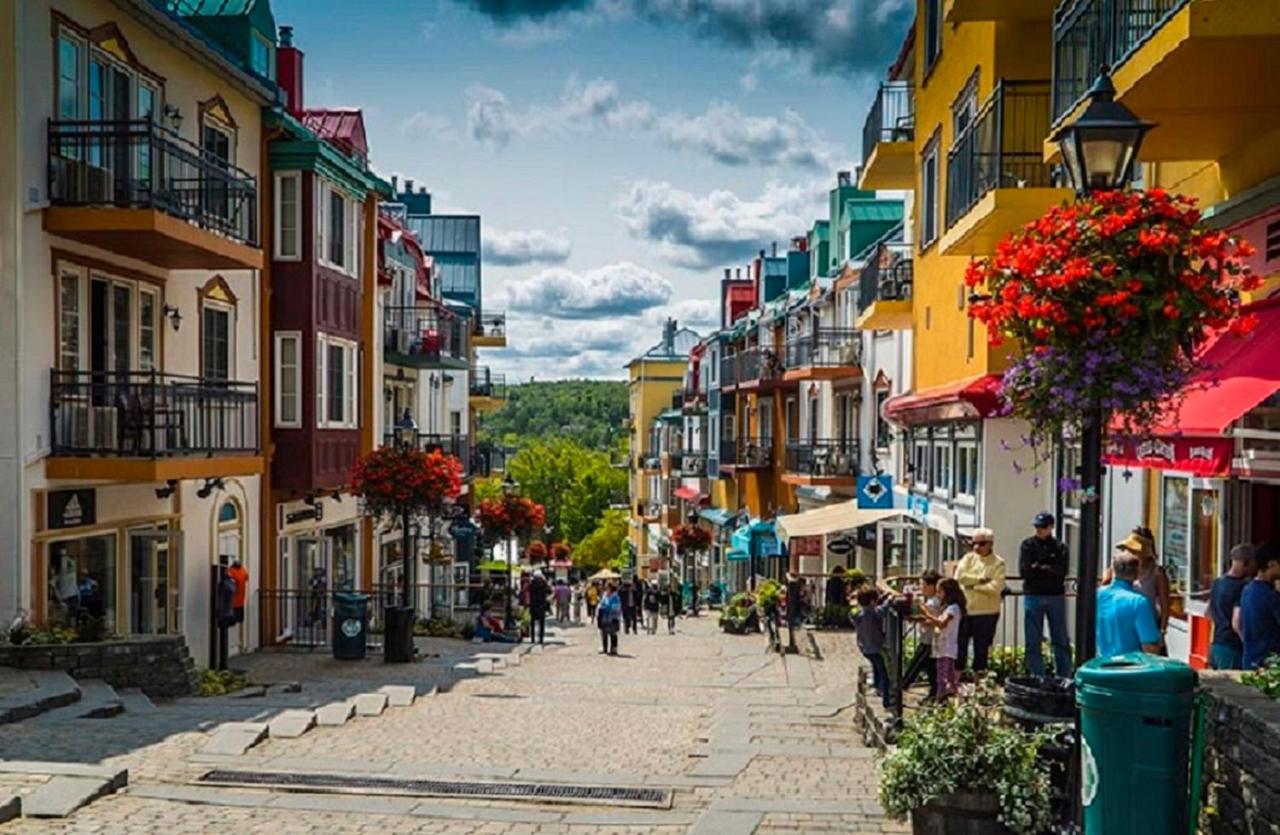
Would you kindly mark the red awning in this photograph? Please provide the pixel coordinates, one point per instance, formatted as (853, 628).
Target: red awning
(689, 494)
(977, 397)
(1200, 456)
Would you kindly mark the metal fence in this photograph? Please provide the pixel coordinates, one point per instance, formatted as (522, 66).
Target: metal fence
(825, 348)
(150, 414)
(746, 452)
(424, 333)
(892, 117)
(1003, 147)
(138, 164)
(491, 325)
(887, 276)
(823, 457)
(484, 383)
(459, 446)
(1090, 34)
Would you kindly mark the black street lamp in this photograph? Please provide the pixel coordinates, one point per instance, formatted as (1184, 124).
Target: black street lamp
(1099, 151)
(509, 488)
(406, 437)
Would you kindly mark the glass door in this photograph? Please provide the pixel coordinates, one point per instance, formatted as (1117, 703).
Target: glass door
(311, 594)
(155, 570)
(898, 552)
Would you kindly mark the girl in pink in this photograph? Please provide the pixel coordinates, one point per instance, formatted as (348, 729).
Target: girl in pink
(946, 635)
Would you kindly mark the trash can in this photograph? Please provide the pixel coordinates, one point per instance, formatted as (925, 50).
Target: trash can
(1135, 722)
(397, 638)
(350, 625)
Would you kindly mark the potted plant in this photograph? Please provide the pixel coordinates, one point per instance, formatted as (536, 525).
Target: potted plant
(958, 770)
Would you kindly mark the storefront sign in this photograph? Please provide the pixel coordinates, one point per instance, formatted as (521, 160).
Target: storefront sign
(1200, 456)
(305, 515)
(805, 546)
(72, 508)
(875, 492)
(840, 546)
(917, 506)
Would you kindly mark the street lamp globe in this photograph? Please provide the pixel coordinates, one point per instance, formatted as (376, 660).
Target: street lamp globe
(406, 430)
(510, 485)
(1100, 149)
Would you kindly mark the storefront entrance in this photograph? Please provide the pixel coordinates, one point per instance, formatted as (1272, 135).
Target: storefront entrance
(155, 569)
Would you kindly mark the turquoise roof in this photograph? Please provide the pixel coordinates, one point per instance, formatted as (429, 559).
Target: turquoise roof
(212, 8)
(717, 516)
(875, 211)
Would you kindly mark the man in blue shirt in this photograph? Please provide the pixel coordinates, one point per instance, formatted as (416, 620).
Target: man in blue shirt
(1126, 618)
(1260, 611)
(1226, 652)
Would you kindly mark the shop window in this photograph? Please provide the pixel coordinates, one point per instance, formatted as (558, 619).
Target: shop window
(942, 468)
(1175, 538)
(966, 470)
(1204, 563)
(82, 580)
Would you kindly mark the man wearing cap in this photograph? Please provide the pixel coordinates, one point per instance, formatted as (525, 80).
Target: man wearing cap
(1042, 562)
(981, 574)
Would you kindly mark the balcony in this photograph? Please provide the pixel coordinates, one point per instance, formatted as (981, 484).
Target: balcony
(150, 426)
(824, 354)
(997, 179)
(424, 336)
(459, 446)
(750, 368)
(888, 139)
(996, 11)
(884, 289)
(652, 461)
(729, 371)
(488, 391)
(693, 463)
(746, 453)
(488, 459)
(1197, 68)
(137, 189)
(821, 461)
(490, 331)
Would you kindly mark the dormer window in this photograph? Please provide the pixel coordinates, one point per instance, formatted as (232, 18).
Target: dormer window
(260, 56)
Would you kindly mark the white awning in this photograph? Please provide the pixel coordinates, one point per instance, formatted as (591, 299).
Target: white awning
(845, 516)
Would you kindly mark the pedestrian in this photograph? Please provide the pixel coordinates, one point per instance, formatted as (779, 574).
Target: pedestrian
(592, 595)
(1260, 610)
(1152, 582)
(538, 593)
(1043, 562)
(668, 603)
(948, 626)
(980, 574)
(1126, 621)
(577, 602)
(631, 600)
(837, 591)
(609, 620)
(923, 659)
(795, 609)
(651, 608)
(562, 594)
(868, 624)
(1226, 651)
(697, 590)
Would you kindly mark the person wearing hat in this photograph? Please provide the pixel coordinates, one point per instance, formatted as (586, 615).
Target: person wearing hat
(981, 575)
(1125, 620)
(1152, 582)
(1043, 562)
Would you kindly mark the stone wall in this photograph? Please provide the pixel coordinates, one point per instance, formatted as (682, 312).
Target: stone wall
(1242, 758)
(160, 666)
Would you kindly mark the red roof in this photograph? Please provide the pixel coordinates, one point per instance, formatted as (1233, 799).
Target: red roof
(976, 397)
(341, 126)
(389, 228)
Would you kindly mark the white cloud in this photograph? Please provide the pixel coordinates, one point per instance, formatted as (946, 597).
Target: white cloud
(622, 289)
(424, 126)
(719, 227)
(702, 315)
(519, 247)
(490, 120)
(531, 33)
(728, 136)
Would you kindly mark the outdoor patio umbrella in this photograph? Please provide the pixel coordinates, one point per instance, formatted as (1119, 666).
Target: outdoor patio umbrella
(605, 574)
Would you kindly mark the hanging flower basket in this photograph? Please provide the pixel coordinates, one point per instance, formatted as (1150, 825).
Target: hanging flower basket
(691, 539)
(560, 552)
(536, 551)
(1107, 301)
(396, 481)
(509, 516)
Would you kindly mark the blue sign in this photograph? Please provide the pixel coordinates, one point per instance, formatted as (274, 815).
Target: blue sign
(917, 506)
(875, 492)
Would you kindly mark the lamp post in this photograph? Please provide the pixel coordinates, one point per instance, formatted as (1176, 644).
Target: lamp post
(406, 437)
(509, 488)
(1099, 151)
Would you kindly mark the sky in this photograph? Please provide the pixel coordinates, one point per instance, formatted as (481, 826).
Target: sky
(621, 153)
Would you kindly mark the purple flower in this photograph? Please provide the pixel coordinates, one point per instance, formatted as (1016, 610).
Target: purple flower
(1067, 484)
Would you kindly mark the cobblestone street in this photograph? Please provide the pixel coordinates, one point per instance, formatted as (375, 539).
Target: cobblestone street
(746, 741)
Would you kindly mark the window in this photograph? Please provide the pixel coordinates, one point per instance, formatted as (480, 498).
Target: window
(215, 339)
(70, 54)
(929, 194)
(921, 460)
(69, 320)
(932, 33)
(230, 534)
(148, 310)
(336, 392)
(965, 107)
(942, 467)
(338, 225)
(288, 406)
(966, 470)
(455, 422)
(337, 229)
(260, 56)
(1176, 516)
(1205, 513)
(215, 140)
(288, 216)
(883, 433)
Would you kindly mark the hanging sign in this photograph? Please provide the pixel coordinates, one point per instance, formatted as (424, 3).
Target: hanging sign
(875, 492)
(72, 508)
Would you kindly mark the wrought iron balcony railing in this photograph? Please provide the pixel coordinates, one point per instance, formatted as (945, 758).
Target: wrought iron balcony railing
(1088, 34)
(492, 325)
(823, 457)
(138, 164)
(1003, 147)
(887, 276)
(148, 414)
(892, 117)
(484, 383)
(459, 446)
(693, 462)
(754, 452)
(825, 348)
(424, 333)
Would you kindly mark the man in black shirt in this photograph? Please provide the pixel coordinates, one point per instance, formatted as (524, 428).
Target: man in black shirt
(1226, 652)
(1042, 562)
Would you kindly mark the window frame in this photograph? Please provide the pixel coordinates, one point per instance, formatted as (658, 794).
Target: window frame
(278, 418)
(930, 196)
(933, 25)
(351, 227)
(278, 233)
(221, 307)
(350, 378)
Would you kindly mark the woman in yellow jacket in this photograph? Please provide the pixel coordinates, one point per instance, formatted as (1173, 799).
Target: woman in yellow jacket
(981, 574)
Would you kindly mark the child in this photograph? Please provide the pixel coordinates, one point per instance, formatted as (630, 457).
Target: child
(869, 625)
(946, 636)
(923, 660)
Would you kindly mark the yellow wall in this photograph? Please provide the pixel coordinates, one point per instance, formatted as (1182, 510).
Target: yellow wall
(651, 385)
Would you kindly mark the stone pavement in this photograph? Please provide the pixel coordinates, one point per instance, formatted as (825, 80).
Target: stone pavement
(747, 742)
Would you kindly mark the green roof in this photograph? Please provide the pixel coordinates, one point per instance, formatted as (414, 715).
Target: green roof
(212, 8)
(670, 414)
(875, 211)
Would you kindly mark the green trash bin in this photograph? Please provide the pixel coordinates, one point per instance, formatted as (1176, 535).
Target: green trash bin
(1135, 722)
(350, 625)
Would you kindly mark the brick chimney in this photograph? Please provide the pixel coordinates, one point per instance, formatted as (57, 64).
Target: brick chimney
(289, 71)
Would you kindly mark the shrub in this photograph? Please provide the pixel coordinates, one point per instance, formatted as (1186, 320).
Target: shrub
(1266, 678)
(835, 616)
(437, 627)
(221, 682)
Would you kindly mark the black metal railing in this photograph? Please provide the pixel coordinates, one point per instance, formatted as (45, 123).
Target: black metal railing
(823, 457)
(729, 370)
(825, 348)
(651, 461)
(424, 332)
(693, 462)
(1088, 34)
(138, 164)
(746, 452)
(488, 458)
(149, 414)
(892, 117)
(491, 325)
(484, 383)
(459, 446)
(887, 276)
(1003, 147)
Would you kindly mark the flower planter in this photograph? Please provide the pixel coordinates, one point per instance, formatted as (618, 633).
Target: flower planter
(960, 814)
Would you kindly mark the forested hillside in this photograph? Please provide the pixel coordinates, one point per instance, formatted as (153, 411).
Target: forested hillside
(590, 412)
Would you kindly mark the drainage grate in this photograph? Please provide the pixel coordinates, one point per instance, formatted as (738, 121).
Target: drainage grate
(497, 696)
(354, 784)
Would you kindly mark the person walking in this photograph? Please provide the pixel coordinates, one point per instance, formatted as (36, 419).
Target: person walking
(868, 624)
(1259, 613)
(837, 591)
(609, 620)
(562, 593)
(669, 602)
(948, 626)
(592, 595)
(796, 610)
(538, 593)
(697, 592)
(577, 602)
(1043, 562)
(980, 574)
(1126, 621)
(651, 609)
(630, 596)
(1226, 651)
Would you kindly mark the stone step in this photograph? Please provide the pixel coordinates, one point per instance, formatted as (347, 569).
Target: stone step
(399, 695)
(98, 700)
(335, 713)
(508, 659)
(497, 660)
(234, 738)
(62, 795)
(290, 724)
(481, 667)
(370, 704)
(135, 701)
(10, 807)
(48, 690)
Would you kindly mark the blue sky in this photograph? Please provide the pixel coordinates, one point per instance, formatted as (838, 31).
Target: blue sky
(620, 152)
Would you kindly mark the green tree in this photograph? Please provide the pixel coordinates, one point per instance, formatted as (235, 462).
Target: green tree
(603, 547)
(590, 412)
(575, 484)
